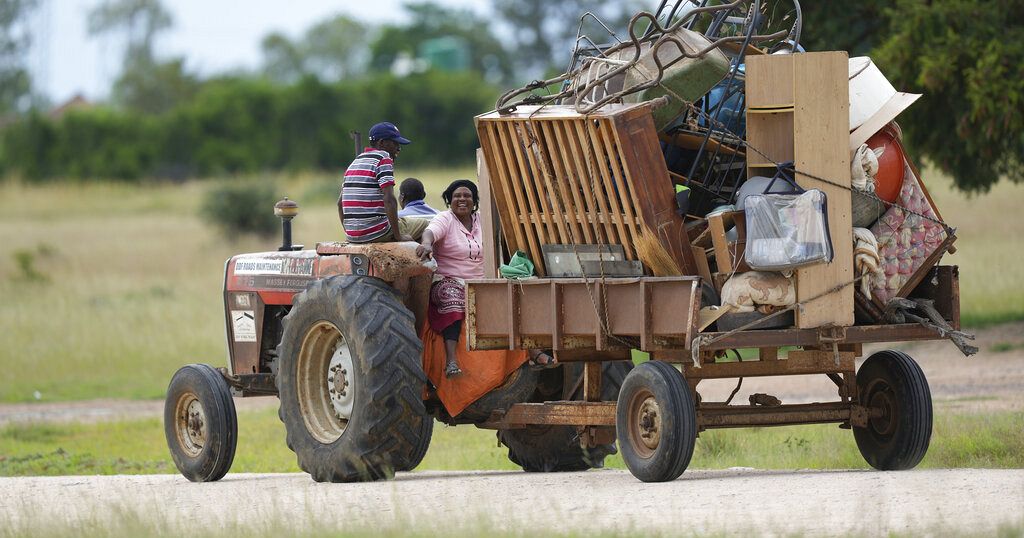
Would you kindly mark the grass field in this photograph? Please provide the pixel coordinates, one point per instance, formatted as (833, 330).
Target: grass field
(107, 289)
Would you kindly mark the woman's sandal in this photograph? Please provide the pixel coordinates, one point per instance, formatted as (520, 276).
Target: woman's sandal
(452, 370)
(548, 362)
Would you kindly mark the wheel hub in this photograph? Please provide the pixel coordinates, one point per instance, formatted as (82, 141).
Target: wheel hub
(650, 423)
(882, 401)
(339, 374)
(191, 425)
(644, 423)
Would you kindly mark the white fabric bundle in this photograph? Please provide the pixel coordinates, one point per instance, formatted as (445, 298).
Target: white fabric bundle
(865, 259)
(864, 166)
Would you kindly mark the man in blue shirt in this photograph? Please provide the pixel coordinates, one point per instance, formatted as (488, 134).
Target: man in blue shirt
(410, 196)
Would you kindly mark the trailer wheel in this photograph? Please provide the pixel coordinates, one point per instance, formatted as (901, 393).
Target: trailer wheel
(898, 439)
(557, 448)
(656, 422)
(200, 423)
(350, 381)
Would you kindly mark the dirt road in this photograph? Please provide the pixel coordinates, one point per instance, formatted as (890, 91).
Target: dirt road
(740, 501)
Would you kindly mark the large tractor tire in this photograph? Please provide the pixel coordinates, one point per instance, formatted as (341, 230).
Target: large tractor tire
(351, 382)
(898, 439)
(422, 444)
(557, 448)
(656, 422)
(200, 423)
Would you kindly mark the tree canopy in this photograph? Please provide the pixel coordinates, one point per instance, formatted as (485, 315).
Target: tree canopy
(965, 56)
(15, 82)
(333, 49)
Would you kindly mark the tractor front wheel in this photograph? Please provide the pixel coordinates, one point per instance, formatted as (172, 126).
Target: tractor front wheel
(200, 423)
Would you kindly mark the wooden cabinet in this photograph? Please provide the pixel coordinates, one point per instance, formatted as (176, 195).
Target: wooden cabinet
(798, 110)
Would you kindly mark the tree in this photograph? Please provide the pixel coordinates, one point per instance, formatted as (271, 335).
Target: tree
(967, 57)
(429, 23)
(145, 84)
(155, 88)
(140, 20)
(282, 59)
(855, 27)
(331, 50)
(15, 83)
(543, 35)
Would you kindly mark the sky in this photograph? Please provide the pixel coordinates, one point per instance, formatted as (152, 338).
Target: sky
(213, 35)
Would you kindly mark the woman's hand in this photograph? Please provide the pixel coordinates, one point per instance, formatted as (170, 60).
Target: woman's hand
(425, 252)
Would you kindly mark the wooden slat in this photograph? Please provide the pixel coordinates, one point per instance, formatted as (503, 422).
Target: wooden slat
(527, 178)
(599, 162)
(590, 182)
(594, 219)
(577, 181)
(723, 258)
(569, 198)
(545, 182)
(505, 142)
(505, 196)
(621, 178)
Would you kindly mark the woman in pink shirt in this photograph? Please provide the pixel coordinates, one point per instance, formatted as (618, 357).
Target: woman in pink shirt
(455, 241)
(453, 238)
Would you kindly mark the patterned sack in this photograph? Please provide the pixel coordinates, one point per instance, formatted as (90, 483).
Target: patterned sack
(905, 241)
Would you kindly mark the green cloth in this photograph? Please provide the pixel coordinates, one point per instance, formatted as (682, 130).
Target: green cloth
(519, 266)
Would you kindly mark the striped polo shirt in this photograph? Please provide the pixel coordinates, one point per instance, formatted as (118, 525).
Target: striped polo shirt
(362, 195)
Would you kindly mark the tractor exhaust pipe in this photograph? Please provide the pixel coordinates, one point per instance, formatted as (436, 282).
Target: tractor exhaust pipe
(287, 210)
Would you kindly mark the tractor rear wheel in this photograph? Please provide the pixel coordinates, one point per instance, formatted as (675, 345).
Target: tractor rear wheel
(890, 381)
(557, 448)
(350, 381)
(422, 444)
(200, 423)
(656, 422)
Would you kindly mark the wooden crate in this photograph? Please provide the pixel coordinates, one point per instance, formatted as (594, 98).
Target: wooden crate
(560, 177)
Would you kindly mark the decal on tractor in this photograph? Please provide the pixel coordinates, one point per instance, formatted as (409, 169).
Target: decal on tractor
(244, 325)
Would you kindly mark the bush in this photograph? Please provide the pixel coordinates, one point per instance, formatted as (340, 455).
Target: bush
(242, 208)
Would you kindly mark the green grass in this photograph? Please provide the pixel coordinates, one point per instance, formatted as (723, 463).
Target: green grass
(109, 288)
(989, 440)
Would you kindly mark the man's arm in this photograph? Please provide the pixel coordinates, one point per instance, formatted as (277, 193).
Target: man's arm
(391, 206)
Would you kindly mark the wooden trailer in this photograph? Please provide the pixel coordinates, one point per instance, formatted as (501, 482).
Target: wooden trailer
(551, 176)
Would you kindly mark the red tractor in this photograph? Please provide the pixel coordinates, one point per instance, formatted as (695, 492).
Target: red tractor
(335, 334)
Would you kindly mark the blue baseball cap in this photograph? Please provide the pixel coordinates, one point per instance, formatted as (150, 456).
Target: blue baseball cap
(387, 131)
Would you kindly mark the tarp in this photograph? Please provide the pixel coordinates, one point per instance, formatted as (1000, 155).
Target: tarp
(482, 371)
